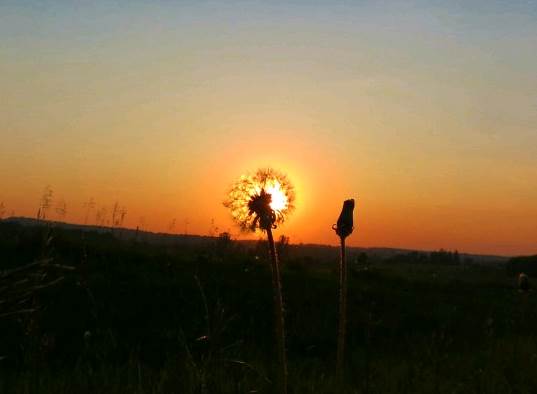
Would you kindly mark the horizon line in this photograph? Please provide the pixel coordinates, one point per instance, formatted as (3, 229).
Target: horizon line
(405, 249)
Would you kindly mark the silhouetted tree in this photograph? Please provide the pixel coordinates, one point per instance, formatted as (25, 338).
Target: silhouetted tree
(445, 257)
(526, 264)
(456, 258)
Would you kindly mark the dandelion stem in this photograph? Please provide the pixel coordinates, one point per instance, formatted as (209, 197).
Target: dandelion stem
(278, 313)
(340, 360)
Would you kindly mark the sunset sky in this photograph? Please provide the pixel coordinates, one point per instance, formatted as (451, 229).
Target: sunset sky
(425, 112)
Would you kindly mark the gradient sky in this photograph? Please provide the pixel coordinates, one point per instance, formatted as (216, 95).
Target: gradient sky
(425, 112)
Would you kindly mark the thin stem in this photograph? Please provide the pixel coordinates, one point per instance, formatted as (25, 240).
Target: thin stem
(342, 311)
(278, 313)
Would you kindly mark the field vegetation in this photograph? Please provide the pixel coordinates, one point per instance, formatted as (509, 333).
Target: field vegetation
(103, 314)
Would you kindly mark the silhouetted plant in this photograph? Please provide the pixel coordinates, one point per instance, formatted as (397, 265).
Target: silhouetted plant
(141, 223)
(115, 214)
(18, 286)
(262, 202)
(61, 209)
(45, 203)
(100, 217)
(118, 216)
(213, 230)
(122, 215)
(88, 205)
(171, 226)
(343, 229)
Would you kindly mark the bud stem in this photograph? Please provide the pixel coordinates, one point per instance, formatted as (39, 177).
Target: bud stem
(340, 360)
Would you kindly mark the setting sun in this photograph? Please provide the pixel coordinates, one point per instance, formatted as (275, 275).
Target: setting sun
(261, 200)
(278, 198)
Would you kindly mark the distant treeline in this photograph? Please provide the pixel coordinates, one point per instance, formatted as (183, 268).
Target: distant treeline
(526, 264)
(441, 256)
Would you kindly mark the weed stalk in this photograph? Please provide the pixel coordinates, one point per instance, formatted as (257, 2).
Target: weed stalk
(278, 312)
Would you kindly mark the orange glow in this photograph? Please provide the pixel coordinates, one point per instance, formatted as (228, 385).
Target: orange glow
(410, 211)
(434, 139)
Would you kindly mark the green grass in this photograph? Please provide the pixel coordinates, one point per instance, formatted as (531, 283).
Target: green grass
(199, 320)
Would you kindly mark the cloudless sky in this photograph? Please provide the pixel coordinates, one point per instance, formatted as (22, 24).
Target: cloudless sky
(425, 112)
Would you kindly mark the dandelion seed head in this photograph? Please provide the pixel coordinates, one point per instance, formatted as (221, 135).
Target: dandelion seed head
(261, 201)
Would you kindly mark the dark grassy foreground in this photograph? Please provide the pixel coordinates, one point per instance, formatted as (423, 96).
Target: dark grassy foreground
(136, 318)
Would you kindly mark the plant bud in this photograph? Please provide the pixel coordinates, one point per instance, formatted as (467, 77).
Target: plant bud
(344, 224)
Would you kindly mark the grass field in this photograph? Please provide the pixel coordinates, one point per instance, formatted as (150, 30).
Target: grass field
(139, 318)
